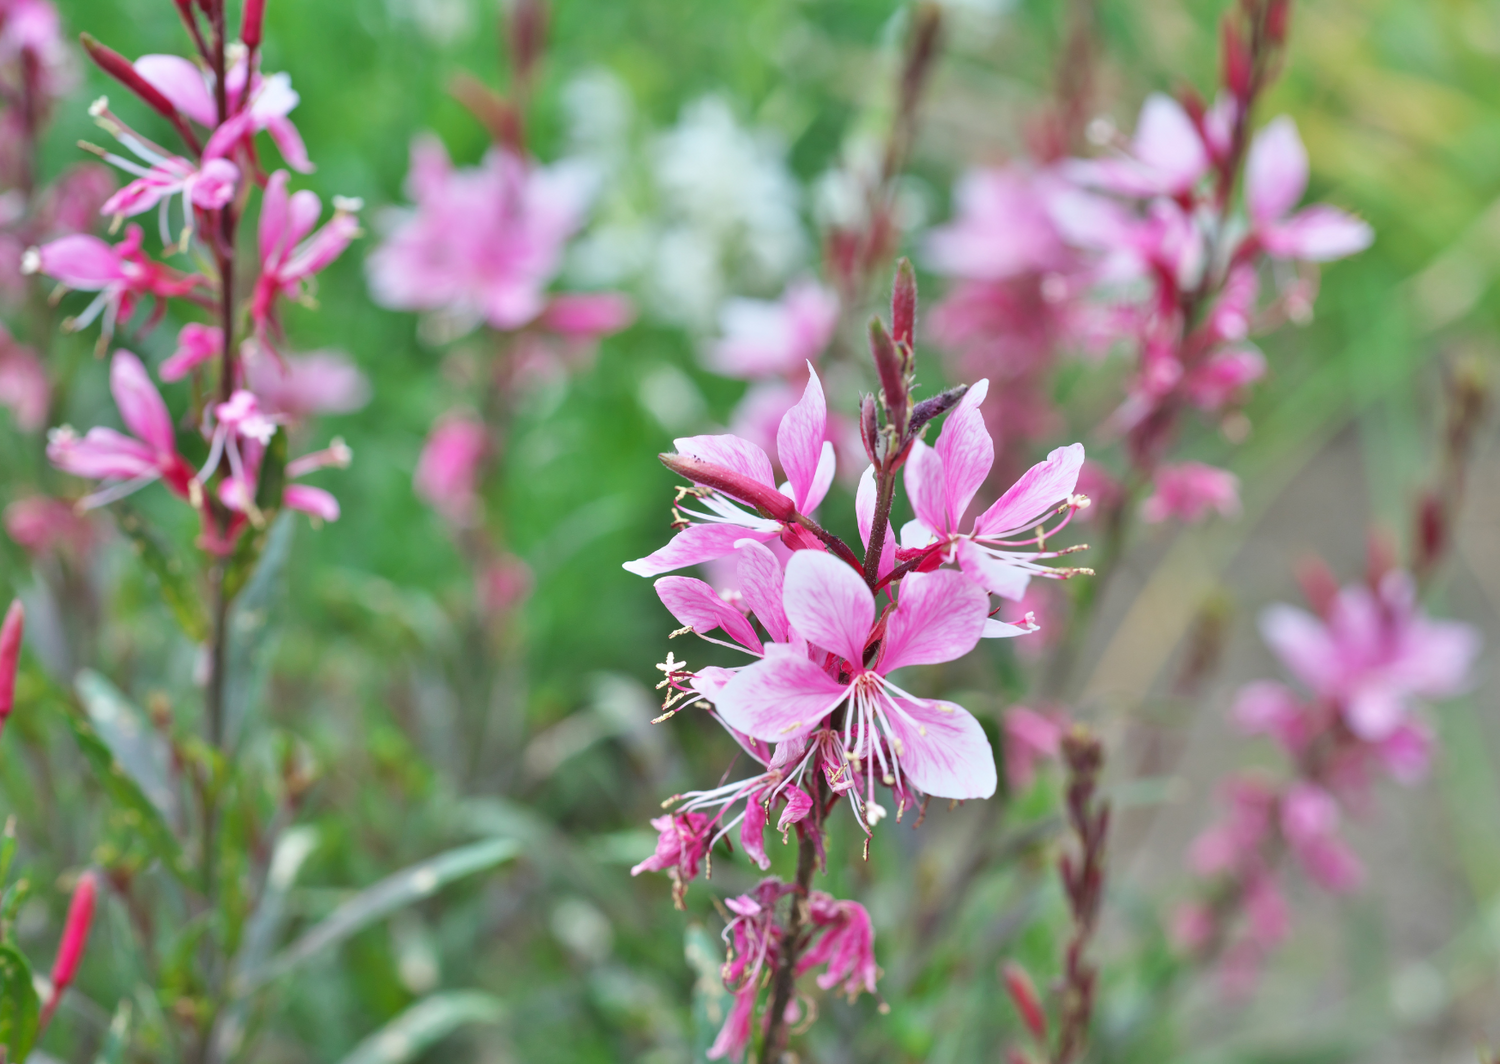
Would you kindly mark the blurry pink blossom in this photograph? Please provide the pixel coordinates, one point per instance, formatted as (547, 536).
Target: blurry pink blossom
(196, 344)
(767, 339)
(1166, 157)
(40, 524)
(289, 256)
(298, 386)
(682, 841)
(24, 386)
(504, 583)
(1030, 737)
(1189, 492)
(447, 475)
(1275, 178)
(1232, 847)
(11, 632)
(1310, 822)
(844, 944)
(1223, 376)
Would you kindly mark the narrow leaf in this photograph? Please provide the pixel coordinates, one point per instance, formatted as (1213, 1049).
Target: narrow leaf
(20, 1008)
(138, 748)
(117, 1041)
(250, 624)
(425, 1023)
(177, 588)
(375, 903)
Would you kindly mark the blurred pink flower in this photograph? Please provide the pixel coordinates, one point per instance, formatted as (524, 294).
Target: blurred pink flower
(1223, 376)
(1233, 846)
(11, 631)
(41, 524)
(844, 943)
(1030, 737)
(1310, 822)
(767, 339)
(447, 475)
(1375, 655)
(298, 386)
(289, 256)
(504, 583)
(24, 386)
(1275, 178)
(196, 344)
(1167, 156)
(1190, 491)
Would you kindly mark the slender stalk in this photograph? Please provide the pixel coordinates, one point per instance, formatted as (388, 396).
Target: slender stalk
(885, 495)
(792, 940)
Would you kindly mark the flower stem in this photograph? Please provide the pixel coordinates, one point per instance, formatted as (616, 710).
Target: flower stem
(885, 495)
(792, 940)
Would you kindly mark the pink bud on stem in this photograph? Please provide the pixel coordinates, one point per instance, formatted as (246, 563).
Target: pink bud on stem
(1023, 993)
(118, 67)
(75, 935)
(10, 657)
(904, 303)
(766, 499)
(255, 13)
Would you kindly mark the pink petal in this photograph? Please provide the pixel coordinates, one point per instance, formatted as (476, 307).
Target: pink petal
(310, 500)
(1375, 712)
(753, 832)
(1407, 752)
(273, 218)
(1302, 643)
(798, 804)
(1166, 140)
(303, 211)
(695, 545)
(822, 479)
(731, 452)
(799, 440)
(1318, 234)
(966, 450)
(588, 315)
(779, 697)
(940, 617)
(1029, 499)
(990, 573)
(944, 751)
(289, 142)
(103, 454)
(699, 606)
(761, 583)
(180, 81)
(828, 604)
(81, 261)
(140, 404)
(1276, 171)
(196, 344)
(1436, 657)
(994, 628)
(927, 488)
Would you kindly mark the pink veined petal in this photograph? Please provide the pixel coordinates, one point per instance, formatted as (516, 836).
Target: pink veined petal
(325, 246)
(273, 218)
(753, 832)
(1276, 171)
(1318, 234)
(289, 142)
(694, 545)
(940, 617)
(944, 750)
(731, 452)
(864, 512)
(1302, 643)
(1166, 140)
(779, 697)
(822, 478)
(828, 603)
(994, 628)
(215, 183)
(81, 261)
(711, 679)
(1040, 488)
(140, 404)
(967, 451)
(310, 500)
(699, 606)
(588, 315)
(927, 487)
(799, 439)
(761, 584)
(103, 454)
(990, 573)
(180, 81)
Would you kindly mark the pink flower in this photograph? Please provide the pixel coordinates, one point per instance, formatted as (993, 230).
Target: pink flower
(296, 387)
(41, 524)
(1189, 491)
(24, 386)
(1003, 228)
(127, 463)
(587, 315)
(1310, 823)
(482, 244)
(447, 474)
(807, 458)
(1269, 708)
(504, 583)
(1223, 376)
(1167, 156)
(754, 940)
(11, 632)
(766, 339)
(196, 344)
(121, 274)
(1375, 655)
(289, 257)
(845, 943)
(1275, 178)
(1233, 846)
(682, 841)
(941, 482)
(935, 746)
(1029, 737)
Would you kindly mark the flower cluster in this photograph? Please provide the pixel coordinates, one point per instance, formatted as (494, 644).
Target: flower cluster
(217, 105)
(1148, 249)
(820, 707)
(1367, 660)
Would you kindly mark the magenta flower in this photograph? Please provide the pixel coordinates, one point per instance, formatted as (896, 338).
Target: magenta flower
(1167, 156)
(196, 344)
(754, 940)
(481, 244)
(74, 937)
(845, 945)
(121, 274)
(726, 462)
(1223, 376)
(126, 463)
(41, 524)
(297, 387)
(1275, 179)
(1375, 655)
(24, 386)
(1233, 846)
(1030, 738)
(447, 475)
(289, 256)
(935, 746)
(1189, 492)
(941, 482)
(1004, 227)
(1310, 823)
(767, 339)
(682, 842)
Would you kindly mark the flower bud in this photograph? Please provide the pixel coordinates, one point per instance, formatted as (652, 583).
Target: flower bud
(75, 935)
(868, 428)
(1234, 61)
(255, 12)
(904, 303)
(1278, 15)
(118, 67)
(935, 406)
(1023, 994)
(10, 656)
(892, 379)
(763, 497)
(528, 30)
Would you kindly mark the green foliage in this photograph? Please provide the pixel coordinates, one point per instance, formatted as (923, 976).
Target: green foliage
(19, 1006)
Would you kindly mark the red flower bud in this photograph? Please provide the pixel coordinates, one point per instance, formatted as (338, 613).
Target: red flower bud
(888, 365)
(1278, 15)
(118, 67)
(904, 303)
(1023, 993)
(255, 13)
(528, 31)
(10, 656)
(75, 935)
(1235, 62)
(763, 497)
(868, 428)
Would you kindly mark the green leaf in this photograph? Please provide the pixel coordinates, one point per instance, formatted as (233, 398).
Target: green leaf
(128, 797)
(117, 1041)
(375, 903)
(136, 746)
(424, 1024)
(177, 588)
(19, 1005)
(250, 624)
